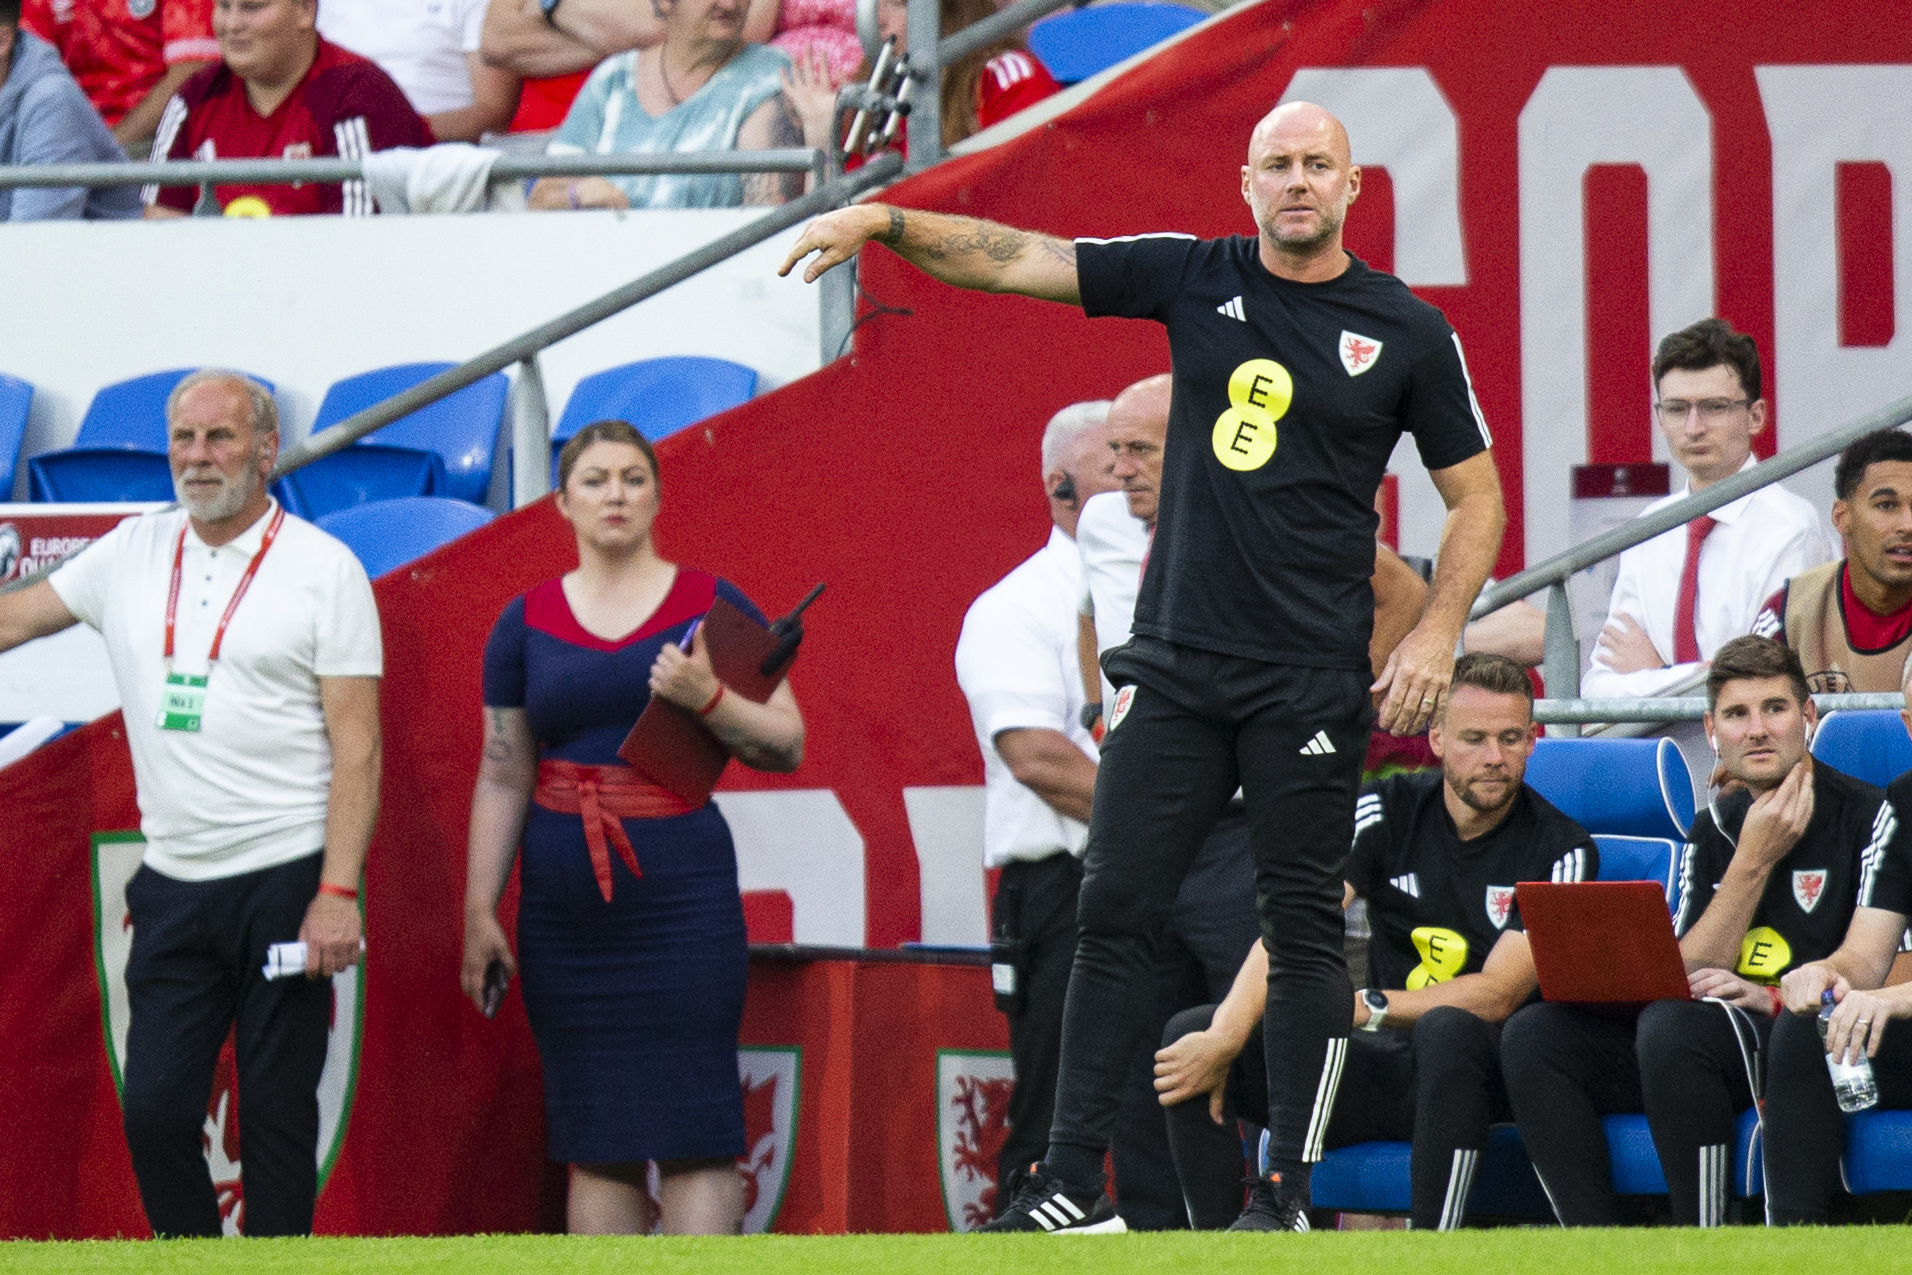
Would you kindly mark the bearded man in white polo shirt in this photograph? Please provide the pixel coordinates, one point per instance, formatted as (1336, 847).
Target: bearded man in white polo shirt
(245, 644)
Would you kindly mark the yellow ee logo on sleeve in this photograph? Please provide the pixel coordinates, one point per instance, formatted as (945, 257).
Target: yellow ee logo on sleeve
(1443, 955)
(1261, 391)
(1764, 955)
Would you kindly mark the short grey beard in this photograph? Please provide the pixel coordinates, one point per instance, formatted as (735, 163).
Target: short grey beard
(231, 499)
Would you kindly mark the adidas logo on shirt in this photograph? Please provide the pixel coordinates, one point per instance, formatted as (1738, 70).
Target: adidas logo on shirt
(1233, 309)
(1320, 745)
(1409, 884)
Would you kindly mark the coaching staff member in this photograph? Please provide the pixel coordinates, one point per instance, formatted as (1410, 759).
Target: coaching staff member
(1297, 368)
(1436, 855)
(1769, 880)
(245, 645)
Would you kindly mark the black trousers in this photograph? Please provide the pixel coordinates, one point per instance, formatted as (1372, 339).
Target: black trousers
(1803, 1132)
(195, 971)
(1199, 725)
(1691, 1066)
(1436, 1085)
(1211, 929)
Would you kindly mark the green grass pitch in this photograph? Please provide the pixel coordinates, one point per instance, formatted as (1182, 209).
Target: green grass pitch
(1741, 1250)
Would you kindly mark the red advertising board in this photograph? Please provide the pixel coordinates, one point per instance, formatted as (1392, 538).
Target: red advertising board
(36, 536)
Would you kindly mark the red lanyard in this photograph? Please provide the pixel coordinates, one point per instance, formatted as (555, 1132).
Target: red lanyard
(245, 582)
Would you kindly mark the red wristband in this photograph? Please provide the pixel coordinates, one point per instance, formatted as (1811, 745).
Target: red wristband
(338, 891)
(1779, 1004)
(712, 702)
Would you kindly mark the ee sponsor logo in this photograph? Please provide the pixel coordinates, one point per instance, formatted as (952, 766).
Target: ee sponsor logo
(1261, 391)
(1443, 955)
(1764, 955)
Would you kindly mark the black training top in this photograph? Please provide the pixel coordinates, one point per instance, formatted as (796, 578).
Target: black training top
(1885, 878)
(1288, 400)
(1811, 893)
(1437, 904)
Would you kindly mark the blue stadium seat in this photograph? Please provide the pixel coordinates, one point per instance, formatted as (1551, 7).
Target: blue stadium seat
(1652, 859)
(1872, 745)
(443, 449)
(1076, 44)
(1619, 787)
(387, 534)
(659, 396)
(1878, 1152)
(1636, 1165)
(16, 400)
(120, 451)
(1373, 1177)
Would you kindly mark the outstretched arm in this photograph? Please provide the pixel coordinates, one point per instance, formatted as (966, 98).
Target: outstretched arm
(963, 251)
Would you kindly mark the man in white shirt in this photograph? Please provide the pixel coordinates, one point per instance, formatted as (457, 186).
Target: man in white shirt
(1016, 663)
(431, 48)
(245, 645)
(1672, 609)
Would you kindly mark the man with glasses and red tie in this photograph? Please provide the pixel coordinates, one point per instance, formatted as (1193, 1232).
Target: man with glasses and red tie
(1683, 594)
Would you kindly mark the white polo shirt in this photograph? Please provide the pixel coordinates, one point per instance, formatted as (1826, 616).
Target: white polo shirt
(1112, 542)
(1016, 663)
(419, 43)
(248, 790)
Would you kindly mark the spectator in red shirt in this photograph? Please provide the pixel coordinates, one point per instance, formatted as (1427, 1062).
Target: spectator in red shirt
(129, 56)
(282, 92)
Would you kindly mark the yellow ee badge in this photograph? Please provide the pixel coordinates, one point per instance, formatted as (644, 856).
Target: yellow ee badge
(1764, 955)
(1261, 391)
(248, 206)
(1443, 955)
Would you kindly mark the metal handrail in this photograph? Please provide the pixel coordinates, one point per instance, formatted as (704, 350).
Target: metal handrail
(286, 172)
(1685, 708)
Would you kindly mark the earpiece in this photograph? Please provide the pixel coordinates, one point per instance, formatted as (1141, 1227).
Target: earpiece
(1065, 490)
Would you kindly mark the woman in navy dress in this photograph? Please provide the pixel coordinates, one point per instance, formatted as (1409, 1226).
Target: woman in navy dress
(631, 946)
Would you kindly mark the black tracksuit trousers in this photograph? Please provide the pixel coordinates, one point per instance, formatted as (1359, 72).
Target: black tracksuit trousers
(1804, 1133)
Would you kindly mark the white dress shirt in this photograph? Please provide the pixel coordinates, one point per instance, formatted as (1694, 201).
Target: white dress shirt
(419, 43)
(1113, 543)
(1762, 541)
(248, 790)
(1016, 663)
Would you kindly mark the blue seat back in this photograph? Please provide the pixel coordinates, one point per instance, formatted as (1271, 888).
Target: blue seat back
(1641, 859)
(460, 429)
(1076, 44)
(1620, 787)
(82, 475)
(1878, 1155)
(16, 402)
(1374, 1177)
(1636, 1163)
(1870, 745)
(359, 474)
(659, 396)
(130, 414)
(387, 534)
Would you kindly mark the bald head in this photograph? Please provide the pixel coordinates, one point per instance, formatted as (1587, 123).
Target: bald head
(1299, 181)
(1138, 430)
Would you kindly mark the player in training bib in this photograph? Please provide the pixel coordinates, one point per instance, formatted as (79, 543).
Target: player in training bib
(1296, 369)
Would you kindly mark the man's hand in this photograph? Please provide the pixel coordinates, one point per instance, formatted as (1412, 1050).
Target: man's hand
(1627, 647)
(686, 680)
(485, 942)
(1857, 1025)
(838, 236)
(1801, 989)
(1415, 679)
(1196, 1064)
(1778, 817)
(1724, 985)
(331, 935)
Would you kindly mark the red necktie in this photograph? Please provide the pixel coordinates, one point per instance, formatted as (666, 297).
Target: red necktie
(1686, 642)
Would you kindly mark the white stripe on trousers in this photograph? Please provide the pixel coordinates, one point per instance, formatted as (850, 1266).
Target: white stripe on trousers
(1714, 1168)
(1324, 1098)
(1460, 1181)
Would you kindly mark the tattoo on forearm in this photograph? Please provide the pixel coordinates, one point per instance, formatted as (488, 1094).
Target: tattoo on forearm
(1062, 250)
(894, 234)
(498, 746)
(999, 243)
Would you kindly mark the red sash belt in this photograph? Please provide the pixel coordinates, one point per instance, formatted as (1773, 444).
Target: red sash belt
(604, 795)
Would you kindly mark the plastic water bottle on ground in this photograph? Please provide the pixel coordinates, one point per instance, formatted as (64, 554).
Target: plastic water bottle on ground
(1852, 1082)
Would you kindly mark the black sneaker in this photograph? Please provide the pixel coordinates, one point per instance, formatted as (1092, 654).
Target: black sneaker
(1043, 1203)
(1272, 1206)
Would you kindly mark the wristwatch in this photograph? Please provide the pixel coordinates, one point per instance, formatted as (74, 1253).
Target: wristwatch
(550, 10)
(1091, 714)
(1377, 1003)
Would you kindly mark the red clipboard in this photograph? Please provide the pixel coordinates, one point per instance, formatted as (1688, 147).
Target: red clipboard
(671, 746)
(1602, 942)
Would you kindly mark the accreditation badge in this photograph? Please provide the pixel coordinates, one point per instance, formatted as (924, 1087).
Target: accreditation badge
(182, 702)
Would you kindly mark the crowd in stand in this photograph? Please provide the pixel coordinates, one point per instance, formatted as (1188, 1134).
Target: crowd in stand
(87, 81)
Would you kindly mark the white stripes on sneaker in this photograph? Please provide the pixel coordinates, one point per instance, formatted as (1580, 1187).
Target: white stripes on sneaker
(1324, 1098)
(1460, 1181)
(1715, 1166)
(1319, 746)
(1056, 1212)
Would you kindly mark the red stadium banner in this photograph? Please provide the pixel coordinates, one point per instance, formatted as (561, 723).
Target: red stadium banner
(36, 536)
(1566, 181)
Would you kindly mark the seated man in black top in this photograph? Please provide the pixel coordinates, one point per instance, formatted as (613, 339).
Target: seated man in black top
(1436, 855)
(1769, 880)
(1803, 1130)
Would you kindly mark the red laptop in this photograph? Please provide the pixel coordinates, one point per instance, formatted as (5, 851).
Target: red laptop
(1602, 942)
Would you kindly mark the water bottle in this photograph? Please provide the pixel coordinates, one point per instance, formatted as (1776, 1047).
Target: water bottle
(1852, 1083)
